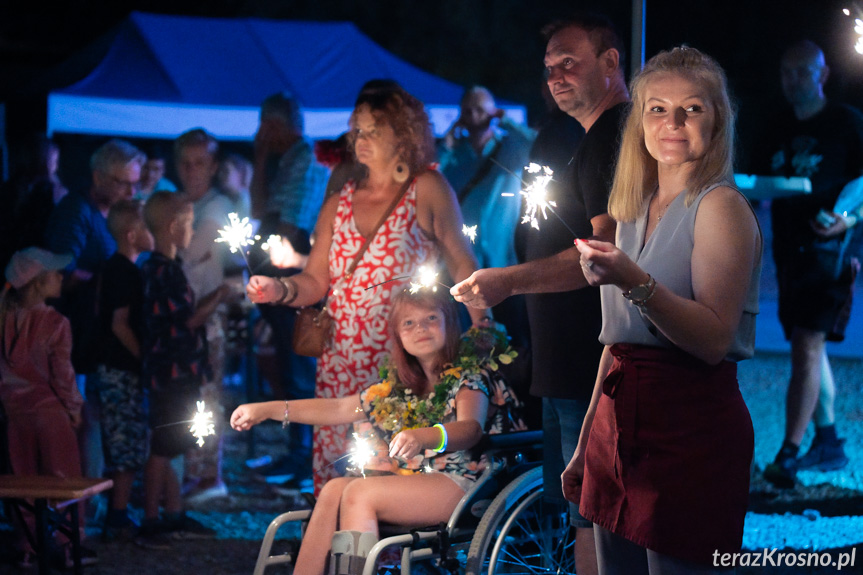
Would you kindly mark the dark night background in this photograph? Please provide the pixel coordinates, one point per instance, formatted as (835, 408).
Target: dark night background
(496, 43)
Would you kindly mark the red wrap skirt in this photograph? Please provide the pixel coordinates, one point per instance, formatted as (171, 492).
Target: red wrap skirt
(668, 458)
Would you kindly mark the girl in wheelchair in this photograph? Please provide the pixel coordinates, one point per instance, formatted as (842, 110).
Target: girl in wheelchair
(438, 395)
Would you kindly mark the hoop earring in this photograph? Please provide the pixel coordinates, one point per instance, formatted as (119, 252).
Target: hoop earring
(402, 172)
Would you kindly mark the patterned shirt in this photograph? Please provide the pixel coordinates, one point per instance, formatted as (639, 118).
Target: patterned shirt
(172, 353)
(296, 191)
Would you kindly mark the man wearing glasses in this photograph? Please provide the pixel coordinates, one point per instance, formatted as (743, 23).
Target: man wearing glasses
(78, 226)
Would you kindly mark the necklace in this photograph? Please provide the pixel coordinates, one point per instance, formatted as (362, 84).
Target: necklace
(664, 209)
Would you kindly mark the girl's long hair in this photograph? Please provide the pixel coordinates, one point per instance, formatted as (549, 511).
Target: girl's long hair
(10, 299)
(409, 370)
(636, 174)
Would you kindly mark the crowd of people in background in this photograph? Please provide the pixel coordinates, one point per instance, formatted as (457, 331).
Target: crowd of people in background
(113, 321)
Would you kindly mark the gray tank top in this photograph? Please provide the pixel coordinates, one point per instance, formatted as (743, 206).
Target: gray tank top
(667, 256)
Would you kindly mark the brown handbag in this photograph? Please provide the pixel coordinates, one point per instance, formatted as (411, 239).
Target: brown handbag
(311, 331)
(313, 325)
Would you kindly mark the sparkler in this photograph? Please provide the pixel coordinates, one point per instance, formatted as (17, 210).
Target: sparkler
(536, 198)
(536, 195)
(426, 277)
(202, 424)
(469, 231)
(237, 234)
(858, 26)
(361, 453)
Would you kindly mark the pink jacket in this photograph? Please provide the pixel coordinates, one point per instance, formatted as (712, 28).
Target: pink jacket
(35, 362)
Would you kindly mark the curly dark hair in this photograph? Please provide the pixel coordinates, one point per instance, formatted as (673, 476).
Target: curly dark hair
(407, 117)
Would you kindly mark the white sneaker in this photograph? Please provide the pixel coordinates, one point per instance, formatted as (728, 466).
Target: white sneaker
(204, 495)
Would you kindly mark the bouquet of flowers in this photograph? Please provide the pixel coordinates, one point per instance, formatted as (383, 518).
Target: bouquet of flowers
(395, 407)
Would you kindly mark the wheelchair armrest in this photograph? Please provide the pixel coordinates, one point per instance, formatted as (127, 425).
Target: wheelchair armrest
(500, 441)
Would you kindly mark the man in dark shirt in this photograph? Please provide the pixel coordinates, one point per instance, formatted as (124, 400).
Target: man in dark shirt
(823, 141)
(583, 69)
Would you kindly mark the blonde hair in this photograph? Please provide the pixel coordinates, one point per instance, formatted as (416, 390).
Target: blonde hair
(636, 173)
(124, 216)
(10, 301)
(163, 208)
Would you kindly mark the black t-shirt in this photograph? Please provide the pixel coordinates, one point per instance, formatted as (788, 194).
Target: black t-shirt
(828, 149)
(565, 326)
(121, 286)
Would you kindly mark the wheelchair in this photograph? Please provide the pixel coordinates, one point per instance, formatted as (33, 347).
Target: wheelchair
(503, 524)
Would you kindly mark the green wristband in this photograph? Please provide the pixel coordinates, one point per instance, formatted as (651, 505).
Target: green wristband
(443, 438)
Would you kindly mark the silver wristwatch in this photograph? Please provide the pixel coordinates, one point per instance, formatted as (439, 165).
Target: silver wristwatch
(640, 294)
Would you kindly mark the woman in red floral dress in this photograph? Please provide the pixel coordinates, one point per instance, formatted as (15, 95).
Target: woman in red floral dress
(391, 136)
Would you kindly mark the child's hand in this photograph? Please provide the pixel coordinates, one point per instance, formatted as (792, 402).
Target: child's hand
(406, 444)
(246, 416)
(75, 418)
(262, 289)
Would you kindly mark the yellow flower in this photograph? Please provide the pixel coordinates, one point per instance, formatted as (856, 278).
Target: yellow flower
(453, 371)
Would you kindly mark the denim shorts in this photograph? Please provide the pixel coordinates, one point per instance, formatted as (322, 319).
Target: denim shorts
(561, 426)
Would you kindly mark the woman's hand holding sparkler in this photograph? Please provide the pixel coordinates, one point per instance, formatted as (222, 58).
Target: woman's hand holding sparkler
(263, 289)
(603, 264)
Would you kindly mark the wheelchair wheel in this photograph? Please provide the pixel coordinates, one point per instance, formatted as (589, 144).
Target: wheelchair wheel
(521, 532)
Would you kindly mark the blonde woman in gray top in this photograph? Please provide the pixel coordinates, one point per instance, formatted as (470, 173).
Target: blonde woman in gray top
(662, 464)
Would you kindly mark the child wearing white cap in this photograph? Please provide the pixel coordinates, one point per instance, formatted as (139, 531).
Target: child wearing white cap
(37, 381)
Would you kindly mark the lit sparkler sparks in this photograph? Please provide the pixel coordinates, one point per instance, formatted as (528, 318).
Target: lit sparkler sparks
(237, 234)
(361, 453)
(274, 246)
(536, 195)
(469, 231)
(858, 26)
(425, 277)
(282, 253)
(202, 424)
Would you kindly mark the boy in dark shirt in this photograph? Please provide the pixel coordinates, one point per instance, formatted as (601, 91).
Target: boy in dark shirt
(124, 418)
(174, 359)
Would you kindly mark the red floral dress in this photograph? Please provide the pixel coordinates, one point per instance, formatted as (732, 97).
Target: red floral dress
(359, 342)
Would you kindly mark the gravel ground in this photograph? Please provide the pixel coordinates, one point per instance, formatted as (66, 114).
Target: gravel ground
(823, 513)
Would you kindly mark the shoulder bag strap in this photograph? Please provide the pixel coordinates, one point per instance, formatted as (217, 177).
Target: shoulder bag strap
(481, 172)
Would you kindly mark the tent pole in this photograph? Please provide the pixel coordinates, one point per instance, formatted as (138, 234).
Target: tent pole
(639, 13)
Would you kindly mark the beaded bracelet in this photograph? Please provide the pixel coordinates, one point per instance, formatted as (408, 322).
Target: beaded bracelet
(443, 438)
(291, 292)
(285, 420)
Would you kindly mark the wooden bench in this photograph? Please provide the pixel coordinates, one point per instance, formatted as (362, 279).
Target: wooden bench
(53, 498)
